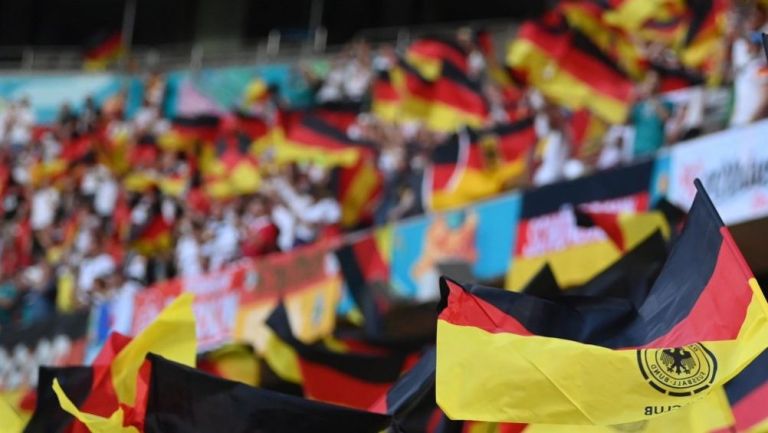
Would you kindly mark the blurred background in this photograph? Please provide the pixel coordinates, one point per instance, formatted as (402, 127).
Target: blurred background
(249, 150)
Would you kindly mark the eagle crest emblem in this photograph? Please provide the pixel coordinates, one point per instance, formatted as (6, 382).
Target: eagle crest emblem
(678, 371)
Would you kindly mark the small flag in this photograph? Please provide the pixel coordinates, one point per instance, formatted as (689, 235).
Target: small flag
(429, 55)
(103, 52)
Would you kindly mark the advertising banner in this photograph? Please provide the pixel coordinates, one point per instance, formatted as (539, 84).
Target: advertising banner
(547, 231)
(471, 244)
(732, 165)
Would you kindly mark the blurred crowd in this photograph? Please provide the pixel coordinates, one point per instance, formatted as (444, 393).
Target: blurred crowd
(79, 225)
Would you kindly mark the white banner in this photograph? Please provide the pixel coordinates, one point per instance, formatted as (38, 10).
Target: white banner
(732, 165)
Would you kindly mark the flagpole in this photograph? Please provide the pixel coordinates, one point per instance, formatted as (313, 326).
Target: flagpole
(126, 34)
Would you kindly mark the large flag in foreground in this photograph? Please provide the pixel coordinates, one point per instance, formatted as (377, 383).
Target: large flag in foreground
(182, 400)
(510, 357)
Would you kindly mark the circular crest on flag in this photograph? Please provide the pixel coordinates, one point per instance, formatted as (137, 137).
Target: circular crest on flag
(680, 371)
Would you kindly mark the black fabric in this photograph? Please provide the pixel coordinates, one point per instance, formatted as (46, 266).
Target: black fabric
(384, 368)
(184, 400)
(48, 416)
(615, 322)
(750, 379)
(605, 185)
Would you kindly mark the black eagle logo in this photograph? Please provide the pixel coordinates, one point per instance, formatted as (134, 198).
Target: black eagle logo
(678, 360)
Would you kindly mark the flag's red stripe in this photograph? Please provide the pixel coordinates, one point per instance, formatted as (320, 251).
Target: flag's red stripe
(463, 309)
(384, 91)
(727, 294)
(580, 65)
(438, 50)
(752, 409)
(460, 97)
(326, 384)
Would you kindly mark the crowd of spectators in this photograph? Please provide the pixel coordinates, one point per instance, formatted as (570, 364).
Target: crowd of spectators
(75, 235)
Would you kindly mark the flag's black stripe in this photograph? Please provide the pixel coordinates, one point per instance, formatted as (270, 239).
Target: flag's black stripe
(48, 416)
(368, 368)
(184, 400)
(751, 378)
(614, 322)
(601, 186)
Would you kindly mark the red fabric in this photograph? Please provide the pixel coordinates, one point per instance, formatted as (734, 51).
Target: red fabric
(326, 384)
(750, 410)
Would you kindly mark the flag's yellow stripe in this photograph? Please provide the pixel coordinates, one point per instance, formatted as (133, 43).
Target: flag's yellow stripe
(171, 335)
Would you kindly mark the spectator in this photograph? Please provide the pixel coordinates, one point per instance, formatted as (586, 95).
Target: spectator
(648, 116)
(750, 81)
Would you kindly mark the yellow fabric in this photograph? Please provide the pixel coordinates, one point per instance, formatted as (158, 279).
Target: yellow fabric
(632, 14)
(707, 415)
(606, 38)
(282, 359)
(578, 264)
(10, 421)
(289, 151)
(95, 423)
(384, 238)
(474, 185)
(504, 377)
(386, 110)
(446, 118)
(572, 266)
(312, 312)
(236, 363)
(359, 194)
(171, 335)
(65, 292)
(428, 67)
(139, 181)
(560, 86)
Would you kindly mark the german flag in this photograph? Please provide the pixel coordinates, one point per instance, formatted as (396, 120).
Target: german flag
(703, 46)
(48, 416)
(475, 164)
(118, 377)
(429, 55)
(365, 267)
(591, 19)
(456, 101)
(748, 392)
(103, 52)
(624, 230)
(348, 379)
(385, 97)
(257, 91)
(407, 394)
(358, 191)
(238, 362)
(671, 79)
(184, 400)
(510, 357)
(341, 115)
(185, 131)
(155, 237)
(309, 138)
(570, 69)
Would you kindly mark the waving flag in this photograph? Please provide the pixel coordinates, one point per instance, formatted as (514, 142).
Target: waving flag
(510, 357)
(428, 55)
(570, 69)
(183, 400)
(349, 379)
